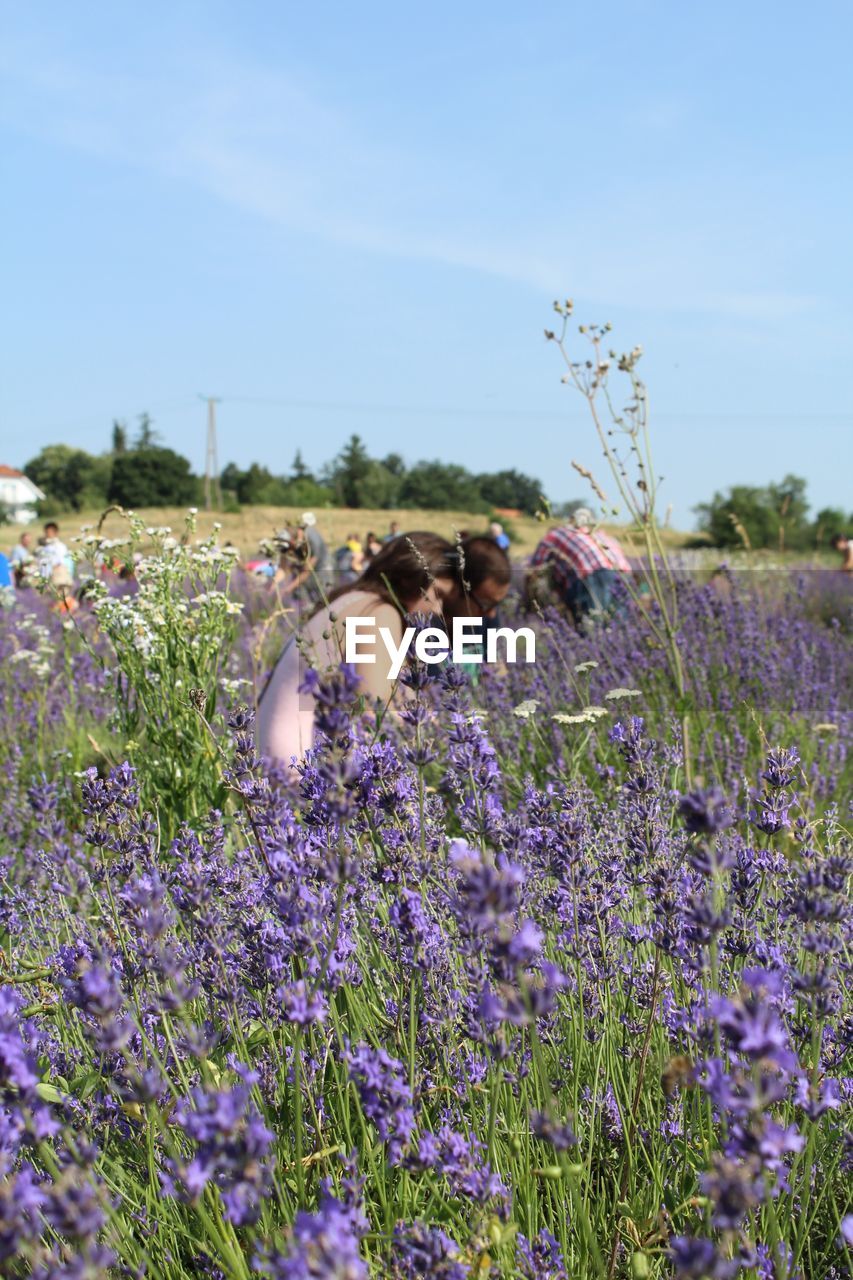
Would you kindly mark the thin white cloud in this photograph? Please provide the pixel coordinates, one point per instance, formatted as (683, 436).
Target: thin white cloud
(266, 143)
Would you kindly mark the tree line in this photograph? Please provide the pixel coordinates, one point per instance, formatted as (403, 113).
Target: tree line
(775, 516)
(137, 472)
(141, 472)
(354, 479)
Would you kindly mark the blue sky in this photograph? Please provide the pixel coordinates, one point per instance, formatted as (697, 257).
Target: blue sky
(355, 217)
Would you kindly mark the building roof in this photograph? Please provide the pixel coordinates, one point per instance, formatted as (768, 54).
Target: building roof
(10, 473)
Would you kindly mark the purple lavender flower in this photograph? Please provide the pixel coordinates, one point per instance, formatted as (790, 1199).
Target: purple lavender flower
(96, 992)
(323, 1246)
(420, 1250)
(232, 1144)
(384, 1094)
(560, 1135)
(734, 1188)
(541, 1258)
(781, 768)
(704, 812)
(696, 1259)
(21, 1200)
(301, 1007)
(752, 1027)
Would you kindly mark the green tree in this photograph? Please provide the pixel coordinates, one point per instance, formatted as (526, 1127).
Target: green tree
(379, 487)
(152, 477)
(298, 469)
(441, 486)
(229, 478)
(70, 478)
(119, 436)
(788, 503)
(769, 516)
(307, 493)
(349, 468)
(395, 464)
(253, 483)
(827, 522)
(511, 489)
(146, 436)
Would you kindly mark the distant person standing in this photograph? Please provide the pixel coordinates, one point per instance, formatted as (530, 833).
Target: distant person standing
(499, 534)
(842, 544)
(583, 564)
(22, 559)
(393, 532)
(54, 559)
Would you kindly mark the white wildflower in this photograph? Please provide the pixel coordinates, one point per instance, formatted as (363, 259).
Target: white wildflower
(585, 666)
(525, 710)
(588, 715)
(616, 695)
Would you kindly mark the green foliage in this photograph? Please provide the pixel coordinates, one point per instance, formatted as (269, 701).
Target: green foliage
(119, 436)
(170, 648)
(70, 478)
(775, 515)
(511, 489)
(347, 471)
(152, 477)
(442, 486)
(147, 474)
(146, 436)
(378, 487)
(257, 486)
(298, 470)
(307, 492)
(357, 480)
(828, 522)
(229, 477)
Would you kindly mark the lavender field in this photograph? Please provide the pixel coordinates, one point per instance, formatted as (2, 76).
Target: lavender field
(508, 988)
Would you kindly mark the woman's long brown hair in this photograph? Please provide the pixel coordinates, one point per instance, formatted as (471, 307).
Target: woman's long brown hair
(405, 568)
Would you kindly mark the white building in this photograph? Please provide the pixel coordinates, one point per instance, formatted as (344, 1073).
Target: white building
(18, 496)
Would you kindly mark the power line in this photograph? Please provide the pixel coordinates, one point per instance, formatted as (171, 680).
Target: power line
(429, 411)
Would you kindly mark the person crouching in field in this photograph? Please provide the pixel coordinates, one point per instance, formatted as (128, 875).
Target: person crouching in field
(416, 573)
(304, 568)
(583, 565)
(484, 580)
(483, 583)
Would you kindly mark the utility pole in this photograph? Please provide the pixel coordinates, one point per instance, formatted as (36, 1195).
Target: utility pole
(212, 490)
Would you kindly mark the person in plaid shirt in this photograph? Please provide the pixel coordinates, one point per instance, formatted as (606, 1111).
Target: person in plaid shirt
(583, 565)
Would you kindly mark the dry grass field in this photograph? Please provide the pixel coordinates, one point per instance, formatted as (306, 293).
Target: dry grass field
(246, 528)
